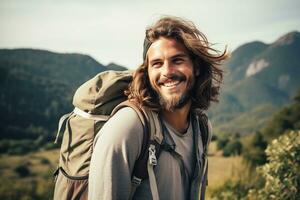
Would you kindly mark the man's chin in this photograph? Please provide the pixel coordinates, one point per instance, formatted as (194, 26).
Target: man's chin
(171, 104)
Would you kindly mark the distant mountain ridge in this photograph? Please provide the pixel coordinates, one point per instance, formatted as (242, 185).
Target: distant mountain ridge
(37, 87)
(258, 74)
(70, 67)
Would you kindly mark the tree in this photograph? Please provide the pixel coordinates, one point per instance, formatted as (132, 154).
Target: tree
(233, 147)
(286, 119)
(254, 151)
(230, 144)
(222, 142)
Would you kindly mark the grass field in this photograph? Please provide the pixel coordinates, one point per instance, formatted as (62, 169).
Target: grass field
(38, 182)
(29, 176)
(221, 168)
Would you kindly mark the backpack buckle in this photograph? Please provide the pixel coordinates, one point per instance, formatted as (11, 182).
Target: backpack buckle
(152, 156)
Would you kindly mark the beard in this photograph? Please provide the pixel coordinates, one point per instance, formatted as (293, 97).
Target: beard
(176, 101)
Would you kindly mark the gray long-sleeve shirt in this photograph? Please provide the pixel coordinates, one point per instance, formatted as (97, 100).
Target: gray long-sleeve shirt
(116, 148)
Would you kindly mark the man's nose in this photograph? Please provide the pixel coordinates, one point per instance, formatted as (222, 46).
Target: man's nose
(167, 68)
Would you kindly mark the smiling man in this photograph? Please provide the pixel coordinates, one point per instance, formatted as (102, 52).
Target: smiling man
(171, 72)
(177, 81)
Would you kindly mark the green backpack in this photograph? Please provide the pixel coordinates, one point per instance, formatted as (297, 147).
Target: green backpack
(95, 101)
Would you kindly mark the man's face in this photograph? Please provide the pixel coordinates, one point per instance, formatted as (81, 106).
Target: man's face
(171, 72)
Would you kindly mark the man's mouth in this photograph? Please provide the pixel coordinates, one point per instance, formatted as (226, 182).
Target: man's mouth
(172, 81)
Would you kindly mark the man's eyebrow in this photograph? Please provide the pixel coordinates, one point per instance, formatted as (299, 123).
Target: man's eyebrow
(154, 60)
(179, 55)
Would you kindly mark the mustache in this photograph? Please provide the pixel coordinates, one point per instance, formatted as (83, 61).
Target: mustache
(173, 77)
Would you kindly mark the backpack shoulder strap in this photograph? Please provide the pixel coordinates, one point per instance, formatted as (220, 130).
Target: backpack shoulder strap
(153, 135)
(145, 120)
(205, 132)
(206, 138)
(152, 140)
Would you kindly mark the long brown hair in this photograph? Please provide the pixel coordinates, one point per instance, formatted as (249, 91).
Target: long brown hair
(204, 57)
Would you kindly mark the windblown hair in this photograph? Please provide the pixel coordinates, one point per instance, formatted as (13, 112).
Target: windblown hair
(203, 56)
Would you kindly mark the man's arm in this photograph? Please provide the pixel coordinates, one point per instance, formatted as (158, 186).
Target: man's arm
(116, 149)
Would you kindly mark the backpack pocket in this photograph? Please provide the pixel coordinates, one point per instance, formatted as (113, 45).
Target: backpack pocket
(70, 187)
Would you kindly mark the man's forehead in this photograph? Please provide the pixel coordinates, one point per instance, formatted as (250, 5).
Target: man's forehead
(165, 47)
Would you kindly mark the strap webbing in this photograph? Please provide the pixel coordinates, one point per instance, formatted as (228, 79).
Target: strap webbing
(135, 183)
(90, 116)
(152, 180)
(62, 120)
(203, 174)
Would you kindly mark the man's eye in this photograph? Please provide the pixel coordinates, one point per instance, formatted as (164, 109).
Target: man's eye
(156, 64)
(178, 61)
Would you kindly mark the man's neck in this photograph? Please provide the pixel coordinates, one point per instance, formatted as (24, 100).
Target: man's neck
(178, 119)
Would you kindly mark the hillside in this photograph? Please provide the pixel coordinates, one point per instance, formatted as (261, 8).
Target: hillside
(36, 89)
(259, 78)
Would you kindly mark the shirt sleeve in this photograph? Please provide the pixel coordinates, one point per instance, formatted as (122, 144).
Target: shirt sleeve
(116, 148)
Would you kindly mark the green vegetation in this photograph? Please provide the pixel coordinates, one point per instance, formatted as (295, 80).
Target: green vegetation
(279, 178)
(254, 153)
(287, 119)
(230, 190)
(28, 176)
(220, 168)
(36, 90)
(245, 122)
(22, 170)
(230, 144)
(271, 173)
(246, 102)
(281, 174)
(233, 148)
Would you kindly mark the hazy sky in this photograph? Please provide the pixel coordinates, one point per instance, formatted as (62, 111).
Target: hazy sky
(113, 31)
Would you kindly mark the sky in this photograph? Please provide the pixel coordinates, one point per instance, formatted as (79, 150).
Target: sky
(113, 31)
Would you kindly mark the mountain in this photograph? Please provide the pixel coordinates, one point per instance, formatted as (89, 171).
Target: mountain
(260, 78)
(113, 66)
(37, 87)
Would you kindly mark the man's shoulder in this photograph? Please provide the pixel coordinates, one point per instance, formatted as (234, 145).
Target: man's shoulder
(125, 118)
(122, 126)
(126, 113)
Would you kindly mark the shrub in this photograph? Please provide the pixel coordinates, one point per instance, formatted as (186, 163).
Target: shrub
(254, 153)
(45, 161)
(230, 190)
(214, 138)
(4, 145)
(22, 170)
(233, 148)
(281, 174)
(230, 144)
(17, 147)
(222, 142)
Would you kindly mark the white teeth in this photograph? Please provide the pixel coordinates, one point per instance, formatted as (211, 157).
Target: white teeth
(171, 83)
